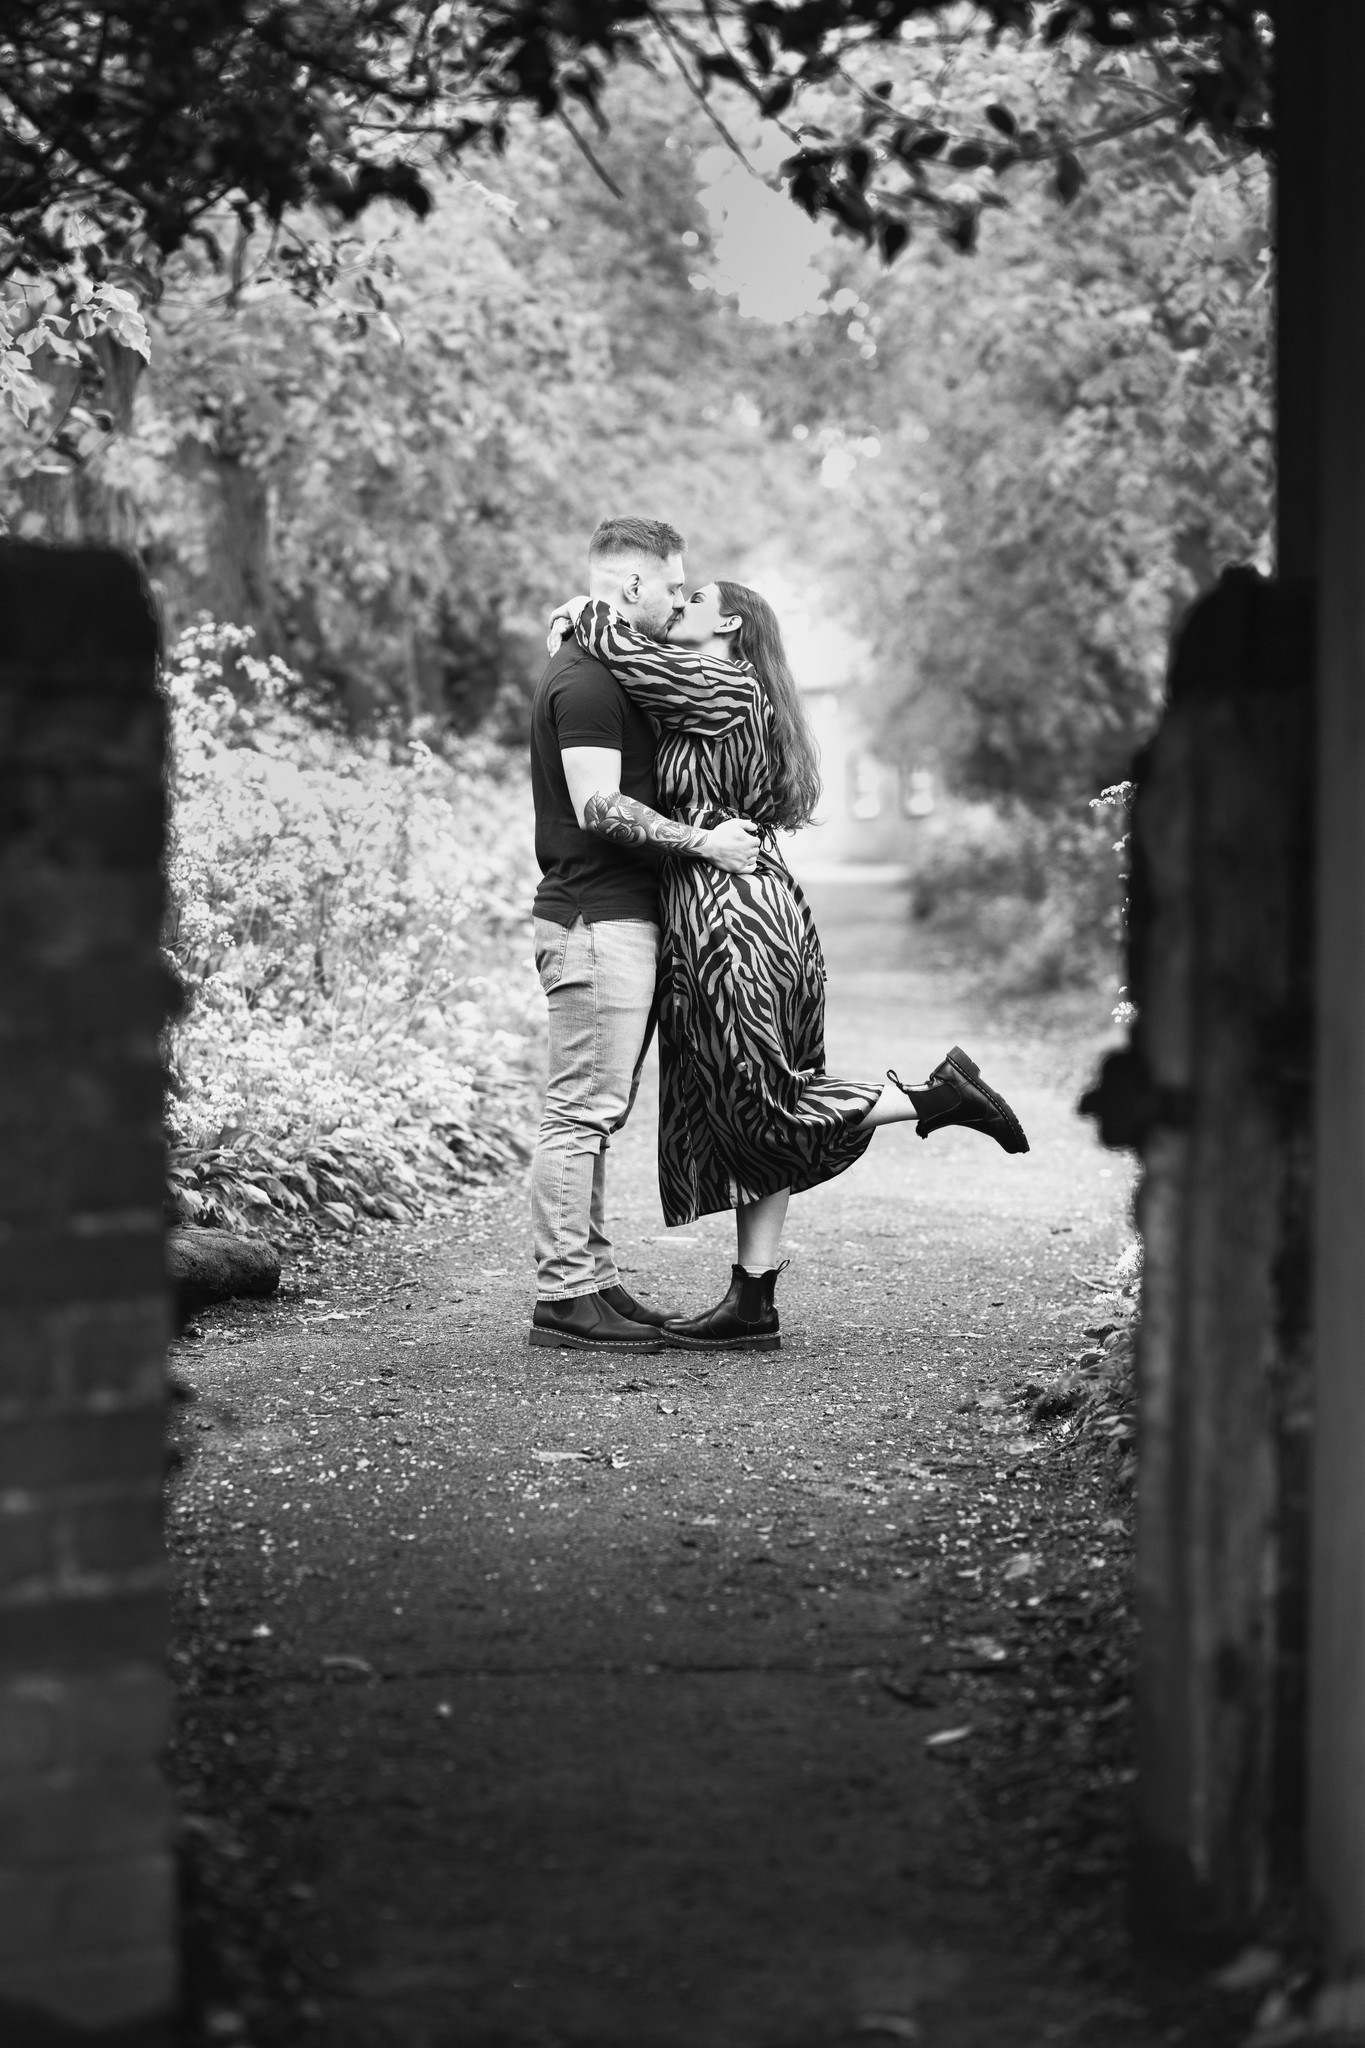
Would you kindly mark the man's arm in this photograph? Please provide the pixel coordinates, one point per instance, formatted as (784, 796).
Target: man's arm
(594, 778)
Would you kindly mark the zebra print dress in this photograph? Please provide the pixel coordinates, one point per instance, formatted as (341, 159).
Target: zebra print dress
(746, 1107)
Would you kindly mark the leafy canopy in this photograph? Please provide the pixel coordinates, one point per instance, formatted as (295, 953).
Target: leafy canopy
(143, 116)
(127, 129)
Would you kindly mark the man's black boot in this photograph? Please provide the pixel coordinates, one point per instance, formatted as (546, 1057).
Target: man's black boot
(634, 1311)
(588, 1322)
(745, 1320)
(956, 1094)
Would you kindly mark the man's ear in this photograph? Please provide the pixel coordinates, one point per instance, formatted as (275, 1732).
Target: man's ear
(630, 589)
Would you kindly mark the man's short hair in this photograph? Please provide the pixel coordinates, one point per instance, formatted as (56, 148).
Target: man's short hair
(653, 537)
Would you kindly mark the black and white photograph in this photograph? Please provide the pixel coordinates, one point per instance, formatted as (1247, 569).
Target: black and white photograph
(682, 1024)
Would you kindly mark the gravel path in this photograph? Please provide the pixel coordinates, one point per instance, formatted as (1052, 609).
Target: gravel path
(552, 1698)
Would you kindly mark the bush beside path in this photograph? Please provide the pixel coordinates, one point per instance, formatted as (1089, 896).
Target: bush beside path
(679, 1701)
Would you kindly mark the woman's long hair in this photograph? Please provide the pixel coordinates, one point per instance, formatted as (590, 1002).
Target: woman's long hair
(759, 642)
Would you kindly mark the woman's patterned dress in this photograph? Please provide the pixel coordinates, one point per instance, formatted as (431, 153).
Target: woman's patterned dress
(746, 1107)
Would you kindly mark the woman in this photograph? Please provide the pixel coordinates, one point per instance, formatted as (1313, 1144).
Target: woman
(747, 1115)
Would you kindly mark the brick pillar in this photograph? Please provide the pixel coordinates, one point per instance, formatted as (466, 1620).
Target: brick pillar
(86, 1880)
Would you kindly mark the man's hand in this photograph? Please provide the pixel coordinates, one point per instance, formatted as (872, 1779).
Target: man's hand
(732, 846)
(562, 621)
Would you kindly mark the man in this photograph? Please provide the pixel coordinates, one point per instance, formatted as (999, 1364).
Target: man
(599, 839)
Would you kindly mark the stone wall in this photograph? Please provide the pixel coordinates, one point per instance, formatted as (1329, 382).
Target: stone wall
(86, 1874)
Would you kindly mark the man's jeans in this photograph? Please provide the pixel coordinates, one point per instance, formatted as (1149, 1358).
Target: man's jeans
(599, 979)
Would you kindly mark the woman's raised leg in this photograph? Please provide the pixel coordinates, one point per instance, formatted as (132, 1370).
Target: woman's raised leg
(893, 1106)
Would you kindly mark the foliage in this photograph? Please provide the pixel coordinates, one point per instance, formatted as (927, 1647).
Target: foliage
(390, 483)
(352, 477)
(1095, 1393)
(1073, 439)
(887, 162)
(1038, 894)
(382, 449)
(340, 919)
(126, 128)
(142, 119)
(34, 334)
(364, 446)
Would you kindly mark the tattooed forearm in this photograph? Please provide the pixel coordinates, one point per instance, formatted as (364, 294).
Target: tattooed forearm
(627, 823)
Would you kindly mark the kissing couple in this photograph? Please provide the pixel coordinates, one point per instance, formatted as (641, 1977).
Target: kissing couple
(669, 745)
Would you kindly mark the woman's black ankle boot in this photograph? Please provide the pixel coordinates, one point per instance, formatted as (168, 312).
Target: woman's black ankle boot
(746, 1320)
(956, 1094)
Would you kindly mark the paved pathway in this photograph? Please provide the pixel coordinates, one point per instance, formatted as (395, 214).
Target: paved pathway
(547, 1698)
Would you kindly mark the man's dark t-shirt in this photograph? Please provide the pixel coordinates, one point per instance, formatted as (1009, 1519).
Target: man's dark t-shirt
(579, 703)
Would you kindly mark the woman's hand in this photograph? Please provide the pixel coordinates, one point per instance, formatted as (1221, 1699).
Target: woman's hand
(563, 619)
(733, 846)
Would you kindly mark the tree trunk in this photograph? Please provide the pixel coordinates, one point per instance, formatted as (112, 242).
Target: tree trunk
(77, 507)
(236, 587)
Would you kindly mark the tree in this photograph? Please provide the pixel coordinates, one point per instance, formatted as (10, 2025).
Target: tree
(383, 513)
(1074, 439)
(129, 123)
(385, 477)
(135, 127)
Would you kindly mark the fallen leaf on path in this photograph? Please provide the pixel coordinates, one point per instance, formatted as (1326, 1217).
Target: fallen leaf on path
(895, 2026)
(946, 1738)
(664, 1408)
(345, 1664)
(1023, 1566)
(562, 1457)
(988, 1649)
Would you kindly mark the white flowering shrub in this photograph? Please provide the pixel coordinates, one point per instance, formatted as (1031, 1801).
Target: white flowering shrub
(350, 921)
